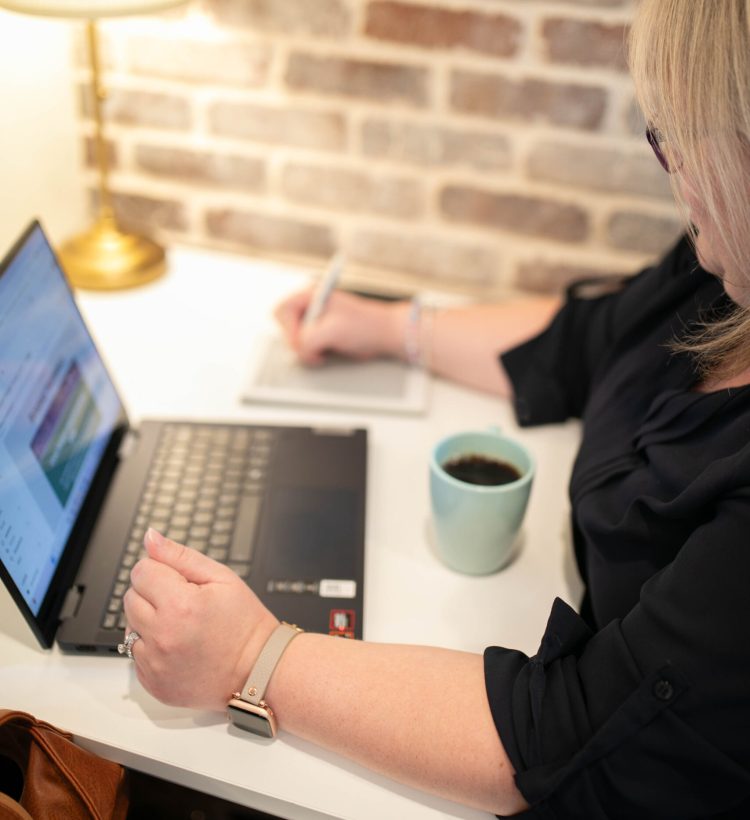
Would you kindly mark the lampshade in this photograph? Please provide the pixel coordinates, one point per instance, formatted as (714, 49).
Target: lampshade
(88, 8)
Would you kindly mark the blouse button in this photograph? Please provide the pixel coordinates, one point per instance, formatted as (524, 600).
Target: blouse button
(663, 690)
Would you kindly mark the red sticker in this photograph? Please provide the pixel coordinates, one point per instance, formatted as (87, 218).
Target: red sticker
(341, 620)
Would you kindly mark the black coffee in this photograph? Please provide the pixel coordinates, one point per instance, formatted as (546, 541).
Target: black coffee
(475, 469)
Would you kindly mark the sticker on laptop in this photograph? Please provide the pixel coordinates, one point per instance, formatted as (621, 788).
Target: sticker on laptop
(341, 620)
(297, 587)
(336, 588)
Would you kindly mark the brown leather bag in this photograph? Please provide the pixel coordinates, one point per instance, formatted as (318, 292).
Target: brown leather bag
(44, 775)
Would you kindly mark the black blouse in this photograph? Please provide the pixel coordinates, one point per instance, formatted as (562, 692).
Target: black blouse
(639, 707)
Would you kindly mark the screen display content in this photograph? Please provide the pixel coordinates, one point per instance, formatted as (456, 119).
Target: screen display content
(58, 409)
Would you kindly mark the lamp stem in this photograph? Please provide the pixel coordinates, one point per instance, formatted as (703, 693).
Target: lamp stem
(106, 211)
(105, 257)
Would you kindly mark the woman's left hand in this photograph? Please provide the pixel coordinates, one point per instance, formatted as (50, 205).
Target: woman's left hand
(201, 627)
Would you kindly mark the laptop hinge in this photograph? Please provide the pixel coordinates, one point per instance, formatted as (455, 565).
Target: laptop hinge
(72, 603)
(127, 445)
(333, 431)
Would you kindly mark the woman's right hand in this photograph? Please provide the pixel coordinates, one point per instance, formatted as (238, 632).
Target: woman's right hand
(350, 325)
(201, 627)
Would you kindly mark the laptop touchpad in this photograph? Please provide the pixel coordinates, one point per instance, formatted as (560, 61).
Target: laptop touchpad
(312, 534)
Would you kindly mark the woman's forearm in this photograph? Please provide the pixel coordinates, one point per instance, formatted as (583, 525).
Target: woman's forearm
(463, 344)
(416, 714)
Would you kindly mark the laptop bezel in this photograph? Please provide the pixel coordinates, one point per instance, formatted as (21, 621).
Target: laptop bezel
(46, 623)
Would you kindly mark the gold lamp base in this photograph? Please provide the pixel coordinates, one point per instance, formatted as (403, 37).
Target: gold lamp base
(106, 258)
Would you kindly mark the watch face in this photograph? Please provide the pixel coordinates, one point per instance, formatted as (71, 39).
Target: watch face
(253, 719)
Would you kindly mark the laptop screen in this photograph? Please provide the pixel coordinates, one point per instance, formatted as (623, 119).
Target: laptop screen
(58, 409)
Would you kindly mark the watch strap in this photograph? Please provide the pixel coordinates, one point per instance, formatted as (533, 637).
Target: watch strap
(255, 686)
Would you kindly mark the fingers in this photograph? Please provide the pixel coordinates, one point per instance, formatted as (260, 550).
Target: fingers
(191, 565)
(139, 611)
(289, 315)
(161, 585)
(313, 342)
(163, 577)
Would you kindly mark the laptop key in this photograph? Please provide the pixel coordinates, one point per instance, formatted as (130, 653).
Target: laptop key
(226, 512)
(244, 532)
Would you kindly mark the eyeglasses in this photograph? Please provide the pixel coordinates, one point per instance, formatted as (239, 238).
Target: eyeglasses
(655, 139)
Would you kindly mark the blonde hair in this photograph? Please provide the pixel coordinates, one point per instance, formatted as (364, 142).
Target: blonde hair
(690, 60)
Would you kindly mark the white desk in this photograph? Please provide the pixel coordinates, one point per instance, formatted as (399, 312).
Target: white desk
(179, 348)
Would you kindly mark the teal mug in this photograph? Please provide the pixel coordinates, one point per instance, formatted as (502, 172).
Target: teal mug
(476, 525)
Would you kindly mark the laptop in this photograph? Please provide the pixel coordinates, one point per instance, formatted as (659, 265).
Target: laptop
(283, 506)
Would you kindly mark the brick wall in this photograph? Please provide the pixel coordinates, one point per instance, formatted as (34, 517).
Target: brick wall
(477, 144)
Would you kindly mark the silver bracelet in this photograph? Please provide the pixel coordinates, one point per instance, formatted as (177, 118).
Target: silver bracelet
(418, 333)
(412, 341)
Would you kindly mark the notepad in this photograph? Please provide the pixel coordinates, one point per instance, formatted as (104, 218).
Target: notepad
(276, 376)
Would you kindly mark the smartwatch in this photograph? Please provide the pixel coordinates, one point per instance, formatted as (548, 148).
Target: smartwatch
(247, 709)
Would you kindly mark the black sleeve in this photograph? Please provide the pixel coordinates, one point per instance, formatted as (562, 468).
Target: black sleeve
(553, 373)
(649, 717)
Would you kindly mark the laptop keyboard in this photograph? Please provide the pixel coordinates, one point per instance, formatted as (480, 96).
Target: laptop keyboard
(204, 489)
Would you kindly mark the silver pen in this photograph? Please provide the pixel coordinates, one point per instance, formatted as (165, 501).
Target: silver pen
(324, 289)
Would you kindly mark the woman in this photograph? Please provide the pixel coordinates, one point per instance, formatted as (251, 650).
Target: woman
(639, 706)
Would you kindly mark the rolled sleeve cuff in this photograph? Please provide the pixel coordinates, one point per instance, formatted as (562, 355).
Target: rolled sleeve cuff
(590, 736)
(538, 397)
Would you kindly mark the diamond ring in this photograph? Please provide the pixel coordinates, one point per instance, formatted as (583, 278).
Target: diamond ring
(126, 648)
